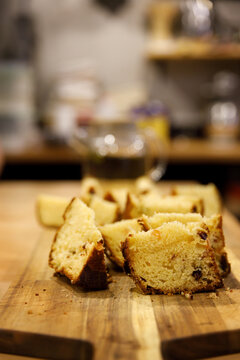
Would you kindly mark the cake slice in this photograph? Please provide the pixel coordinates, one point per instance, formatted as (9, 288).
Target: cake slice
(106, 212)
(171, 259)
(214, 224)
(115, 234)
(215, 233)
(150, 204)
(90, 186)
(209, 193)
(77, 250)
(50, 209)
(144, 185)
(119, 196)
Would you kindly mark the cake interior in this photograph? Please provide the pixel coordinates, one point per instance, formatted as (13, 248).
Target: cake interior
(75, 240)
(115, 234)
(172, 259)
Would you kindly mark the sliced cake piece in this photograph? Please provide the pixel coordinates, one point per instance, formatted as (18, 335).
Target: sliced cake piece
(106, 212)
(153, 222)
(115, 234)
(144, 185)
(179, 204)
(119, 196)
(90, 186)
(209, 193)
(77, 250)
(50, 209)
(150, 204)
(171, 259)
(214, 224)
(215, 232)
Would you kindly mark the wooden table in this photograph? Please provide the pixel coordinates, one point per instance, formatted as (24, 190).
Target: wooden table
(20, 231)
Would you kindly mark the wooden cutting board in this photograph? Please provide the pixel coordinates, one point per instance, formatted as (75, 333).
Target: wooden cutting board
(44, 316)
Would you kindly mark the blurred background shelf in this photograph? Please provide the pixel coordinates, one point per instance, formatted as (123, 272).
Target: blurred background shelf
(192, 50)
(71, 63)
(178, 151)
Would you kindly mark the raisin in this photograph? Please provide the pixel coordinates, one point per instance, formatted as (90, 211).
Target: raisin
(202, 235)
(91, 190)
(197, 274)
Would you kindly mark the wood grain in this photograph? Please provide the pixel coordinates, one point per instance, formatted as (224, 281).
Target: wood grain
(121, 322)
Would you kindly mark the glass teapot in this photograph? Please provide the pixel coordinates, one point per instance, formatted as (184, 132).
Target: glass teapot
(120, 150)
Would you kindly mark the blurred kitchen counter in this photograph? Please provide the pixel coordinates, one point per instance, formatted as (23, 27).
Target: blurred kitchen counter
(182, 150)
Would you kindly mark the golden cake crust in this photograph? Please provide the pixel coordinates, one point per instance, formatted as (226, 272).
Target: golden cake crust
(93, 275)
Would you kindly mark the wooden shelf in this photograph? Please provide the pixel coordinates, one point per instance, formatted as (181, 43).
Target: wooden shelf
(184, 49)
(203, 151)
(178, 151)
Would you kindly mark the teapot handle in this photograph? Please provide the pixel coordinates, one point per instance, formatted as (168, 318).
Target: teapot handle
(80, 141)
(158, 154)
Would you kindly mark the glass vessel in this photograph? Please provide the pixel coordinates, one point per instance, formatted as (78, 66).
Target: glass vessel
(120, 150)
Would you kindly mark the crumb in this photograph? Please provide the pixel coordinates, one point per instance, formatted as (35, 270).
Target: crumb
(44, 289)
(231, 290)
(30, 312)
(36, 294)
(212, 296)
(188, 296)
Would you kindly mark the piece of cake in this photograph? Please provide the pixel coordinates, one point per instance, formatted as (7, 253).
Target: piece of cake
(155, 221)
(209, 193)
(171, 259)
(77, 250)
(215, 232)
(144, 185)
(106, 212)
(150, 204)
(50, 209)
(214, 224)
(115, 234)
(119, 196)
(90, 186)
